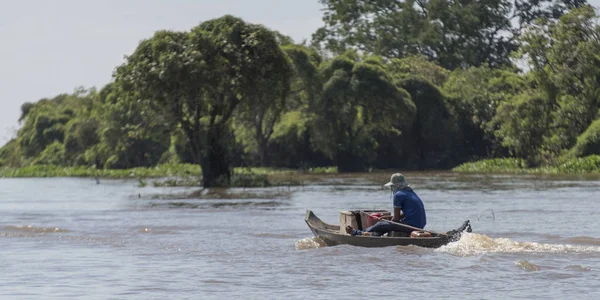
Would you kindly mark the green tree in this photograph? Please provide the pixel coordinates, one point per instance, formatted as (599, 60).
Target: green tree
(452, 33)
(25, 109)
(9, 154)
(199, 78)
(431, 139)
(255, 126)
(359, 99)
(45, 122)
(566, 67)
(126, 134)
(523, 121)
(418, 67)
(53, 154)
(475, 93)
(292, 136)
(526, 12)
(588, 143)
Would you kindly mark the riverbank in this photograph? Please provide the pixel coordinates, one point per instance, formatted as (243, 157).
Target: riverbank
(190, 174)
(167, 174)
(573, 166)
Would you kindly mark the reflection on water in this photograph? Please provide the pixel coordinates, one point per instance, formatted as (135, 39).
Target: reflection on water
(533, 237)
(213, 194)
(216, 204)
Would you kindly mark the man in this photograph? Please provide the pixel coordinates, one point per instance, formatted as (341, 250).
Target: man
(408, 209)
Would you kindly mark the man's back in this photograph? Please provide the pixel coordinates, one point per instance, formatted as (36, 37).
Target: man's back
(412, 207)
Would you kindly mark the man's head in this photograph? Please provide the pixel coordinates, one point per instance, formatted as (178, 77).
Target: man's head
(397, 182)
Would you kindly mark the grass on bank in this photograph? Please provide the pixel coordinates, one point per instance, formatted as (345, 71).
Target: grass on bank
(581, 165)
(81, 171)
(168, 175)
(167, 170)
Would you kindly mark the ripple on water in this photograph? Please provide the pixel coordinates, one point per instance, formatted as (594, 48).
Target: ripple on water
(248, 245)
(155, 230)
(585, 240)
(527, 266)
(216, 204)
(274, 235)
(33, 229)
(578, 268)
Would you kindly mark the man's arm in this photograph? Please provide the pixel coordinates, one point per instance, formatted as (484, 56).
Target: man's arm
(398, 214)
(398, 203)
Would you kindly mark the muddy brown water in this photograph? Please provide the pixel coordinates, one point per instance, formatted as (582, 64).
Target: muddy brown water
(533, 237)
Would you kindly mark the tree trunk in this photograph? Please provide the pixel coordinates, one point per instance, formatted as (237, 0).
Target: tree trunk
(215, 162)
(263, 148)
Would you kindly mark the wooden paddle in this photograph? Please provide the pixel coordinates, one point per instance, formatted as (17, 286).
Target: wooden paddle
(408, 226)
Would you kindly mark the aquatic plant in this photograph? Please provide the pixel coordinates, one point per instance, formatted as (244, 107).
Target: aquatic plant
(581, 165)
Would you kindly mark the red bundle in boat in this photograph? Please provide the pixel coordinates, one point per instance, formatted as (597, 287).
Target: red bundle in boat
(373, 219)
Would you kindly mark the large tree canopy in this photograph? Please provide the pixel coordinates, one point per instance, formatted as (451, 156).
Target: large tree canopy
(566, 70)
(359, 99)
(452, 33)
(412, 84)
(52, 120)
(198, 79)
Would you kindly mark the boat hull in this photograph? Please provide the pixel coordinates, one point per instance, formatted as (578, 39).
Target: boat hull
(331, 236)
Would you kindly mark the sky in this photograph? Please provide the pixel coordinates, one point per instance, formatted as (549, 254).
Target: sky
(49, 47)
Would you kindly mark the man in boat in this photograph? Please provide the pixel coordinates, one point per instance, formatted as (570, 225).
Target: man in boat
(408, 209)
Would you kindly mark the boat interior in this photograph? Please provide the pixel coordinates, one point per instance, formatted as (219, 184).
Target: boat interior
(362, 219)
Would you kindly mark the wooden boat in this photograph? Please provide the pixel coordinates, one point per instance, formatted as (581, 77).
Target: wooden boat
(331, 235)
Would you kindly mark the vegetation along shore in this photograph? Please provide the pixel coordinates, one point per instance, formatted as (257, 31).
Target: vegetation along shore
(424, 85)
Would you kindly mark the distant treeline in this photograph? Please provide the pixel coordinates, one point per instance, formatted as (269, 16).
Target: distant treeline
(385, 84)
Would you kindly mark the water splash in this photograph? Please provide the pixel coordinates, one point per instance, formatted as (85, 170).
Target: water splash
(474, 244)
(310, 243)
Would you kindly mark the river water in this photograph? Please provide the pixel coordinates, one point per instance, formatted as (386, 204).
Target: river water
(533, 237)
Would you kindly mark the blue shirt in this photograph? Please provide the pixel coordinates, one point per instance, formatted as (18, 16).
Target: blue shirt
(412, 206)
